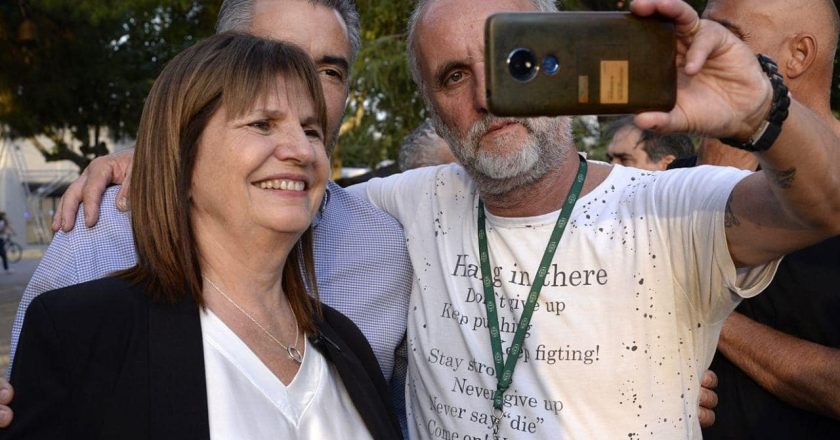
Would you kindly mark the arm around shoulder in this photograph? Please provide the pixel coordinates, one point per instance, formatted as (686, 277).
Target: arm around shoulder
(88, 188)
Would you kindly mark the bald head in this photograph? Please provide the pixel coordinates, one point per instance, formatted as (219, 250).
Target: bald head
(800, 35)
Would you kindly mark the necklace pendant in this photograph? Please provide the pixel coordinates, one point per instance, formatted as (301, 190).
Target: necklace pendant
(294, 354)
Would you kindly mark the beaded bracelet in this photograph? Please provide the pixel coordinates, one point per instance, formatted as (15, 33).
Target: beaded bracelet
(769, 129)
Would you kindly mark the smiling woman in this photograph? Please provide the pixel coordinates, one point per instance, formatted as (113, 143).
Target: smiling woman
(213, 333)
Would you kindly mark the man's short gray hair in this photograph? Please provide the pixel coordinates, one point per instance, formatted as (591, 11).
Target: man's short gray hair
(237, 15)
(417, 14)
(418, 148)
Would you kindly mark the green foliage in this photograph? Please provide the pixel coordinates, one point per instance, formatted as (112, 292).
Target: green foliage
(384, 105)
(90, 67)
(95, 60)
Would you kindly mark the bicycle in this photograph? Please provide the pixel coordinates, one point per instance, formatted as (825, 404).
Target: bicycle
(14, 251)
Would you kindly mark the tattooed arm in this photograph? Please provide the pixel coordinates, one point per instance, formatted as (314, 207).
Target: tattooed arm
(794, 201)
(722, 92)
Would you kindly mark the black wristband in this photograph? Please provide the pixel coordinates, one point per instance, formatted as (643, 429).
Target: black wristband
(770, 129)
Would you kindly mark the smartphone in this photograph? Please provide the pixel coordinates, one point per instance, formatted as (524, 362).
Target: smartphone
(579, 63)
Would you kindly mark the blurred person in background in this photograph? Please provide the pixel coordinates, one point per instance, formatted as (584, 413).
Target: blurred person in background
(423, 147)
(632, 146)
(5, 231)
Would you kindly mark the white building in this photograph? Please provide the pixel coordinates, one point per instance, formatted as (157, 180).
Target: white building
(30, 188)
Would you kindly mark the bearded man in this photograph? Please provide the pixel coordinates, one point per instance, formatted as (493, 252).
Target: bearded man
(556, 297)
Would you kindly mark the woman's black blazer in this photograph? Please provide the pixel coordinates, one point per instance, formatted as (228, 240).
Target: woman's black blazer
(100, 360)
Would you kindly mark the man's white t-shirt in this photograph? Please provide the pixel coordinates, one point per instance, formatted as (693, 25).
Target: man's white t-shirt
(626, 323)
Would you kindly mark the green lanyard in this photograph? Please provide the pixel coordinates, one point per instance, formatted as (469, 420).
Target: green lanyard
(504, 370)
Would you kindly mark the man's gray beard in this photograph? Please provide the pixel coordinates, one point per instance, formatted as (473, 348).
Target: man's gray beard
(546, 148)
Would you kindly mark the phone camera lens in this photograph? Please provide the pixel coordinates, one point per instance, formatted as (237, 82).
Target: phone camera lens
(550, 65)
(522, 65)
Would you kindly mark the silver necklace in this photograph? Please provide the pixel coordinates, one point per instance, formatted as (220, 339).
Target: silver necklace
(291, 350)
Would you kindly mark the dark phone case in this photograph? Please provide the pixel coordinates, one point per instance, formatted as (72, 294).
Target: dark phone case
(610, 63)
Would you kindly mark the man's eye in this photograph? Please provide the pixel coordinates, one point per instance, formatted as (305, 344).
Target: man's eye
(453, 78)
(334, 74)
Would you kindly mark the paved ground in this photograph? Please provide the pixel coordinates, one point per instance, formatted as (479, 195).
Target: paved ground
(11, 289)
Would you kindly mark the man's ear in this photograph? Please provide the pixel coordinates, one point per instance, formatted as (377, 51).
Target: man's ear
(802, 49)
(666, 160)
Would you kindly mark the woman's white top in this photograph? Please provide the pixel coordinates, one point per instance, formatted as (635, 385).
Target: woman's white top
(246, 401)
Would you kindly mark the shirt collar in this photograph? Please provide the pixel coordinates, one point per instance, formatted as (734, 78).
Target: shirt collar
(320, 214)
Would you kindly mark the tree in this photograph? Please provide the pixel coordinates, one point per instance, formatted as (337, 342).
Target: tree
(86, 75)
(384, 105)
(87, 72)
